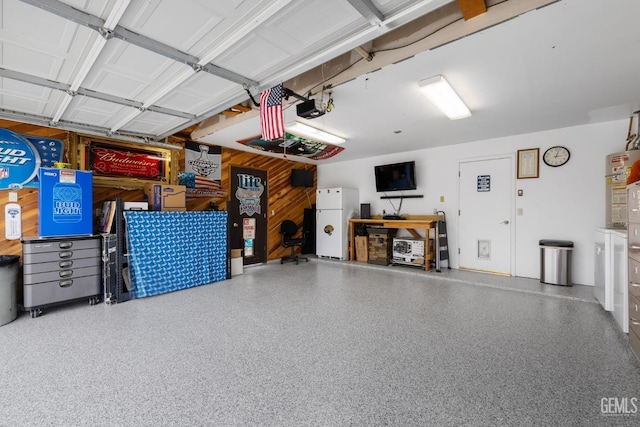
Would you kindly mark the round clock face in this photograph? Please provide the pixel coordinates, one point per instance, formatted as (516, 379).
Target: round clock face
(556, 156)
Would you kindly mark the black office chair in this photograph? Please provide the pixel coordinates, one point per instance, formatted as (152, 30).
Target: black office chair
(288, 229)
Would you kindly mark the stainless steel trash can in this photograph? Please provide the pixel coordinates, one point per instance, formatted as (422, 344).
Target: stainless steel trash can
(555, 262)
(8, 286)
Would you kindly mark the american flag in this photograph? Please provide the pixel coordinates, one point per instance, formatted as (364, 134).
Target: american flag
(271, 117)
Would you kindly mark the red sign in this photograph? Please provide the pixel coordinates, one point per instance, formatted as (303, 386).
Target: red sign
(135, 163)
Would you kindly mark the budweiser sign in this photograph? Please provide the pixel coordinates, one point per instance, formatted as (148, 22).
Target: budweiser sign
(109, 161)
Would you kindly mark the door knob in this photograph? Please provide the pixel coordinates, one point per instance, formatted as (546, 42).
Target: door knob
(235, 224)
(505, 222)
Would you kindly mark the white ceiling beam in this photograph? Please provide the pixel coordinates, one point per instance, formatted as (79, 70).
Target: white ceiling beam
(89, 60)
(98, 24)
(51, 84)
(229, 39)
(367, 9)
(351, 41)
(83, 128)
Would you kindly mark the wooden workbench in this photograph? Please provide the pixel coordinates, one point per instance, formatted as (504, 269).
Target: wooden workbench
(411, 224)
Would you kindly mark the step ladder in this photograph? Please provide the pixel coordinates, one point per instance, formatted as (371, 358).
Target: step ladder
(442, 242)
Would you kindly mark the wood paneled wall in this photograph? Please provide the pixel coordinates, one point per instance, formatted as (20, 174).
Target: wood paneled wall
(284, 201)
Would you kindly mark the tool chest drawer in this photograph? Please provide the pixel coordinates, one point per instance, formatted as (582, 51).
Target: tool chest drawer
(40, 295)
(34, 258)
(54, 245)
(63, 264)
(67, 273)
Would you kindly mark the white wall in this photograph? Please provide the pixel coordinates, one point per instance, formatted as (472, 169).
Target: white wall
(565, 203)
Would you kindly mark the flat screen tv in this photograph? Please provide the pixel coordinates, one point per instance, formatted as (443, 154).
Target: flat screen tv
(301, 178)
(396, 177)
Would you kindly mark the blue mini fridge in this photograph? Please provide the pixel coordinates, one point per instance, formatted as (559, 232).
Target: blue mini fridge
(66, 202)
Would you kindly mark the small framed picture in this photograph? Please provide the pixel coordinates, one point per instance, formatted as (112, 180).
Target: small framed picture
(528, 163)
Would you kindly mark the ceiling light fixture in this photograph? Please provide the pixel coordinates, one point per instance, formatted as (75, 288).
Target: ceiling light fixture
(438, 90)
(300, 129)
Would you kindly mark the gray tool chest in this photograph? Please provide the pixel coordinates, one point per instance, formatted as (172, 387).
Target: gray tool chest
(58, 270)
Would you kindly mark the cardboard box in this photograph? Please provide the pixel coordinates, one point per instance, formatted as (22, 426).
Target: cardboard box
(380, 245)
(166, 197)
(408, 251)
(362, 248)
(236, 253)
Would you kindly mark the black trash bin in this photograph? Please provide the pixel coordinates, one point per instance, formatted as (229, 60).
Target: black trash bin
(8, 286)
(555, 262)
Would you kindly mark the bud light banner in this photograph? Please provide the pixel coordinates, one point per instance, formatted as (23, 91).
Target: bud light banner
(65, 201)
(22, 155)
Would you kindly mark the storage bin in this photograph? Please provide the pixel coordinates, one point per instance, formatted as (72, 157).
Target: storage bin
(8, 285)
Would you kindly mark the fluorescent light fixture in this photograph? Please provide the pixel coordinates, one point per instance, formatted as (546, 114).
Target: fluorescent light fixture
(444, 97)
(300, 129)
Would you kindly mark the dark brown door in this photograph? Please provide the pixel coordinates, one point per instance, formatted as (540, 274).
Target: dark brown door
(248, 213)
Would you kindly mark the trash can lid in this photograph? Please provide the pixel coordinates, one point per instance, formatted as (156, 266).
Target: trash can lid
(8, 259)
(558, 243)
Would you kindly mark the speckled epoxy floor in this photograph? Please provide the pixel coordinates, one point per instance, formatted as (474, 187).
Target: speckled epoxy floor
(323, 343)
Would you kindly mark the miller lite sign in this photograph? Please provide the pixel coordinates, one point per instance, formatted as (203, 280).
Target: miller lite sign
(248, 193)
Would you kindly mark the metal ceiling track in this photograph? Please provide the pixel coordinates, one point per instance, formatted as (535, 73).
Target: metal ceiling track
(367, 9)
(86, 129)
(98, 24)
(51, 84)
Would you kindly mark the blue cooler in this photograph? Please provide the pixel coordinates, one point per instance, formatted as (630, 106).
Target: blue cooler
(66, 202)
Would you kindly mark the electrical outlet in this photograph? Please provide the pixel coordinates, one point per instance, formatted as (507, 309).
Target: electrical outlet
(13, 196)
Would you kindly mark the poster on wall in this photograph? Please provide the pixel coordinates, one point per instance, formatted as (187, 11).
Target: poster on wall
(202, 175)
(295, 146)
(21, 155)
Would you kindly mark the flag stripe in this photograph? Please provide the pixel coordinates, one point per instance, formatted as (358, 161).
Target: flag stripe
(271, 115)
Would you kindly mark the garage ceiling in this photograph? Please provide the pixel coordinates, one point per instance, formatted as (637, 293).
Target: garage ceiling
(146, 69)
(151, 68)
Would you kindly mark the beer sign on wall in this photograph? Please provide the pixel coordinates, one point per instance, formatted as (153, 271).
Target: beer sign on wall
(22, 155)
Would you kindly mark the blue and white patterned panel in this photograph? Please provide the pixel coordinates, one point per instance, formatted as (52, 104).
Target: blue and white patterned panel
(169, 251)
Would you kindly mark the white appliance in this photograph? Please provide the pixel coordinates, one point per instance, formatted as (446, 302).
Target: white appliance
(334, 207)
(611, 274)
(603, 284)
(620, 279)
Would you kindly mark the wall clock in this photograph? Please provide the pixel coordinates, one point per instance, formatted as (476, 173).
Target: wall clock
(556, 156)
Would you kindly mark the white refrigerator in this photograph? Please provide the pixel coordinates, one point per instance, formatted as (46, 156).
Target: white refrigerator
(334, 207)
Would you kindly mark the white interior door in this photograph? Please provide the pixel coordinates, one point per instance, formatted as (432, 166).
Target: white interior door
(486, 215)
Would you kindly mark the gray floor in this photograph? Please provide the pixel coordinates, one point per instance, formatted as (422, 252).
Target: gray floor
(324, 343)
